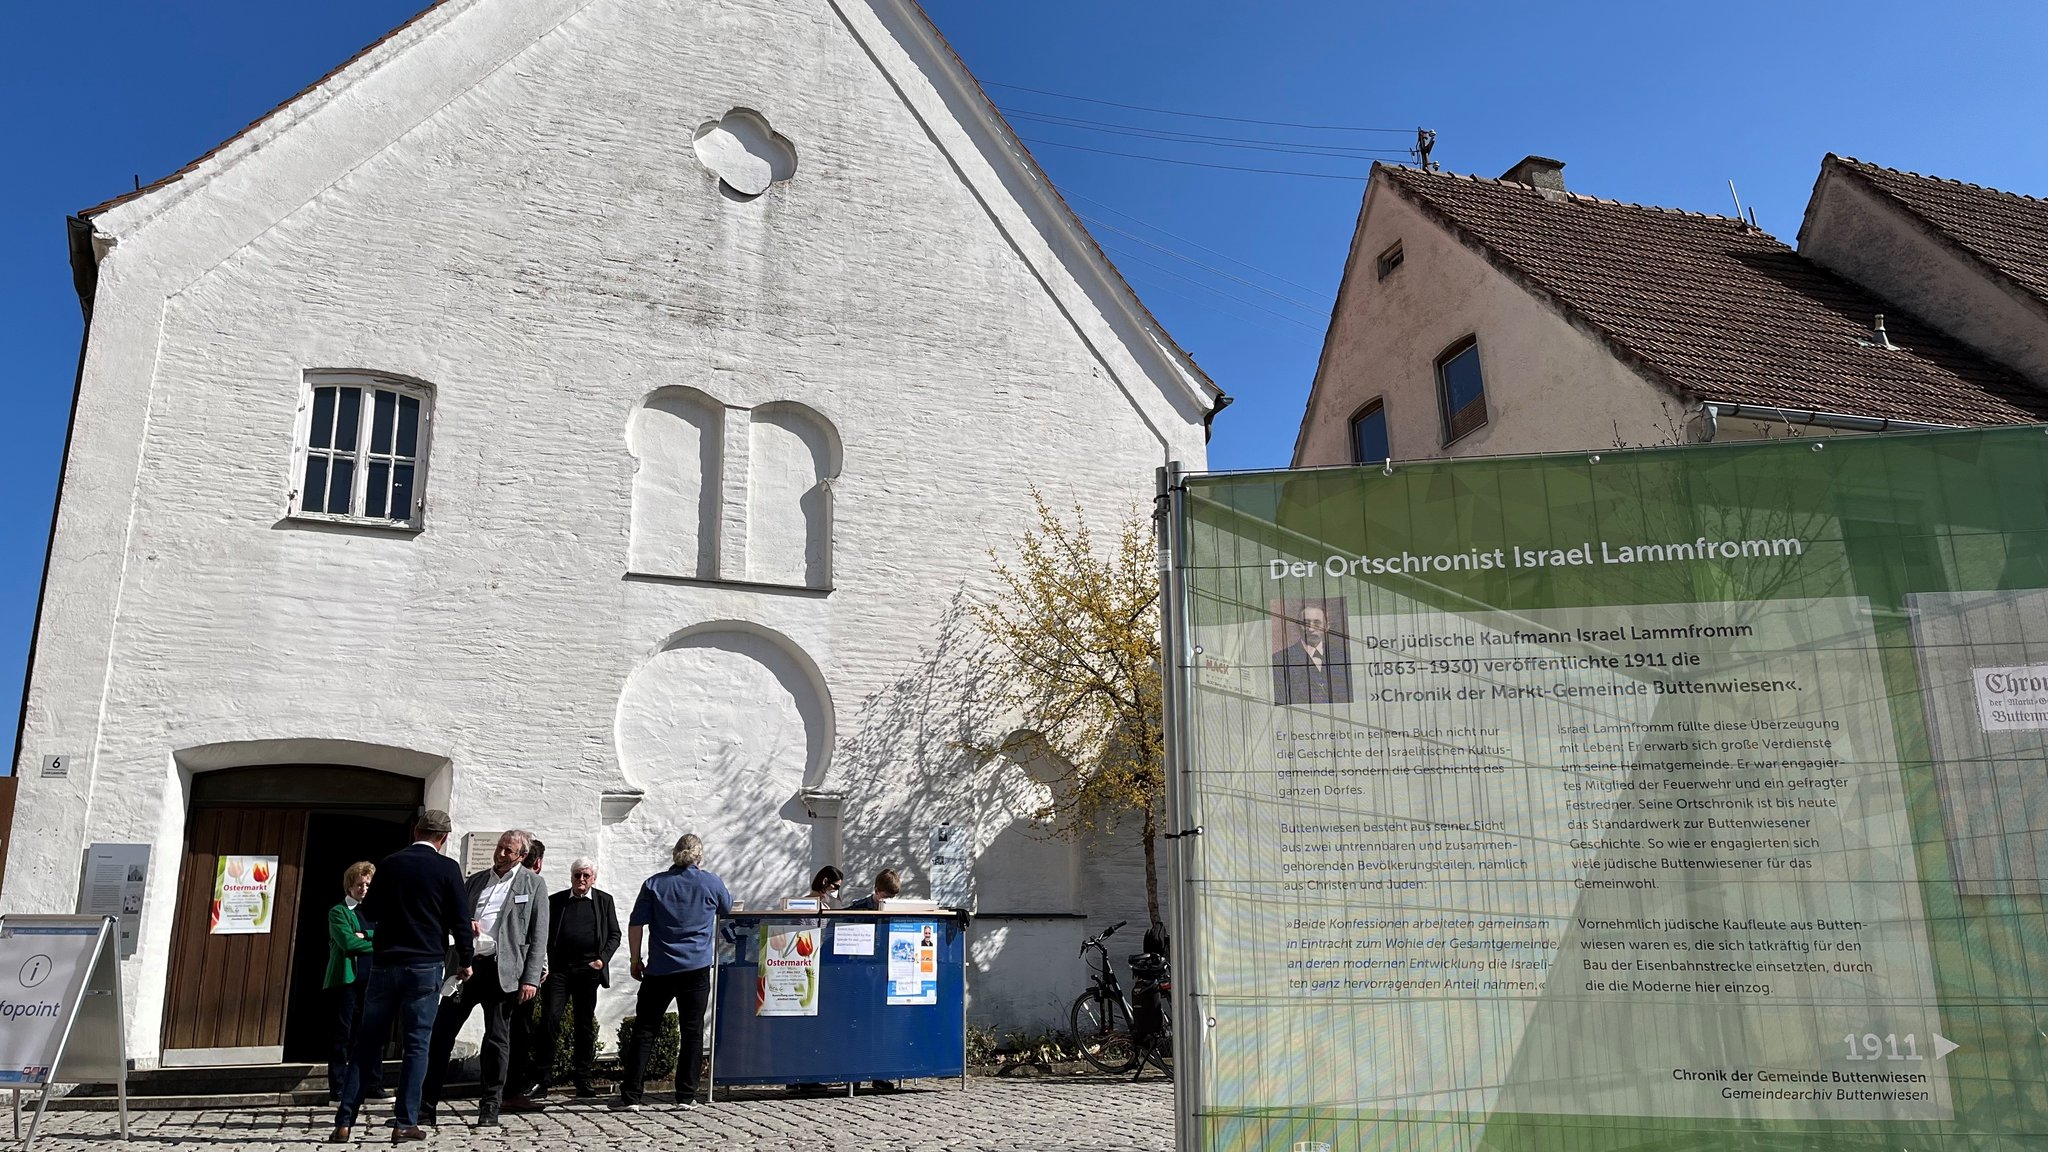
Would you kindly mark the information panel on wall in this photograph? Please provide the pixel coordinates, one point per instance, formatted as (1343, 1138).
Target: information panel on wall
(1637, 801)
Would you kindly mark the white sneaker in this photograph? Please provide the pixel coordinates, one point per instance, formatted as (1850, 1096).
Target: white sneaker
(686, 1104)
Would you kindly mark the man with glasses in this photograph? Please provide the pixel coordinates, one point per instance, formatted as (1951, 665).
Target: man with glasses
(583, 934)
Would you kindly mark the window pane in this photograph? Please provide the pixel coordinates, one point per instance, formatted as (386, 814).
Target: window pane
(1369, 437)
(401, 492)
(374, 490)
(380, 421)
(341, 485)
(1464, 393)
(408, 426)
(313, 497)
(348, 419)
(320, 434)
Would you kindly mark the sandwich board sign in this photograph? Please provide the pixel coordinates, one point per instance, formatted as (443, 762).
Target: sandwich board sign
(60, 1009)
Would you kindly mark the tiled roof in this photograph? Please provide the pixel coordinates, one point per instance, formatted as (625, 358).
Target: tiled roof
(2005, 230)
(1717, 310)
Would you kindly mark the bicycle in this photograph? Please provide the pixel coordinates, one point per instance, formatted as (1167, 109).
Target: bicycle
(1101, 1018)
(1110, 1035)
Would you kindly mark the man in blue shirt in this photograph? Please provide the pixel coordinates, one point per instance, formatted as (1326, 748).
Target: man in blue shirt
(670, 932)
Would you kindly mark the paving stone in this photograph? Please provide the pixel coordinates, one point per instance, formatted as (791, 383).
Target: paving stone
(1063, 1114)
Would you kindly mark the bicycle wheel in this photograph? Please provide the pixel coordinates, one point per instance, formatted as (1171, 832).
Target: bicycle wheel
(1102, 1031)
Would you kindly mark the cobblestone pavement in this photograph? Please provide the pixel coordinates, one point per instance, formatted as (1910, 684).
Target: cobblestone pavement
(1070, 1114)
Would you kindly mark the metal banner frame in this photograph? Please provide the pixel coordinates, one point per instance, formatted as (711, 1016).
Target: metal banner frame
(97, 1052)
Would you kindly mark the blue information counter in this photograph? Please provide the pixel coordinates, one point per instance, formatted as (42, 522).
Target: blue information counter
(872, 1014)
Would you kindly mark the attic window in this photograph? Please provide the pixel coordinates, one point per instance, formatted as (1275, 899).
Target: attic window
(1390, 260)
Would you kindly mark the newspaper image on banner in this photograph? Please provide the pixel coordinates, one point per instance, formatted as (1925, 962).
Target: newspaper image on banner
(786, 982)
(913, 962)
(1672, 797)
(43, 972)
(244, 892)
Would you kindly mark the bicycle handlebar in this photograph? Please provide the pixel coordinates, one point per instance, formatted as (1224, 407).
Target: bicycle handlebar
(1096, 941)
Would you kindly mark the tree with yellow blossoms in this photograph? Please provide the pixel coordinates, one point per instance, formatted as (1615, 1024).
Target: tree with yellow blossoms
(1075, 638)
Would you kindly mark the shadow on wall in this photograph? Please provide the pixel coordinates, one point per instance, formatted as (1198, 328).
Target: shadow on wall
(911, 763)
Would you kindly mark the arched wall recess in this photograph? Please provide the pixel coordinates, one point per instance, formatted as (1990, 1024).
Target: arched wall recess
(677, 437)
(795, 456)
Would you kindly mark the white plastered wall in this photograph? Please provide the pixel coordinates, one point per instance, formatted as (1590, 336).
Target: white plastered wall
(504, 203)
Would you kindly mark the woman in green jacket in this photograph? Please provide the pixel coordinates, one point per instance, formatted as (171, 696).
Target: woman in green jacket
(348, 974)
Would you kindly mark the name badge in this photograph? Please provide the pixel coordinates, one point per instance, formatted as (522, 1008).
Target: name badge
(521, 899)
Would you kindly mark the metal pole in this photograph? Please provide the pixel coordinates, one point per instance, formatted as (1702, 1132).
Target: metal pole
(711, 1049)
(1175, 653)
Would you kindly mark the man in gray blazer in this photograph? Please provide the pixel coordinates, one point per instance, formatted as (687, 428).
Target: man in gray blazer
(508, 906)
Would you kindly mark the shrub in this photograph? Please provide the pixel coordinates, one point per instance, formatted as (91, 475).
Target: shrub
(668, 1045)
(565, 1040)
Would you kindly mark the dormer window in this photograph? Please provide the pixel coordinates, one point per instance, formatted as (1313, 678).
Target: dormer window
(361, 450)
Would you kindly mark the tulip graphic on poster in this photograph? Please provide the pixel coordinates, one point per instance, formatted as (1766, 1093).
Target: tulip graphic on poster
(244, 890)
(786, 983)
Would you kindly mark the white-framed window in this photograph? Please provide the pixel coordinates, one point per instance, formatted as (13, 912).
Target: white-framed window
(362, 449)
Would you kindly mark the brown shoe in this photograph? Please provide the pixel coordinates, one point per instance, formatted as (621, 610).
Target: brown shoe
(401, 1135)
(339, 1135)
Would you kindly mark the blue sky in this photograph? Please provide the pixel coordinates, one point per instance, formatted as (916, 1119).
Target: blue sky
(1653, 103)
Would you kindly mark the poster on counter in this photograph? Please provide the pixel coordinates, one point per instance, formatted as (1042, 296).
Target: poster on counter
(786, 983)
(914, 962)
(244, 892)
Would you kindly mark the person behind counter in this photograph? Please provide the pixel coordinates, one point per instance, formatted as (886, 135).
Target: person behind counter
(825, 887)
(886, 886)
(349, 945)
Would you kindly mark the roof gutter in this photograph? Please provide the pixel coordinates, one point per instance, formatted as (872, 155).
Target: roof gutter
(1809, 418)
(1223, 400)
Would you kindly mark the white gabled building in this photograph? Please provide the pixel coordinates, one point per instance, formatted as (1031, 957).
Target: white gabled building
(584, 416)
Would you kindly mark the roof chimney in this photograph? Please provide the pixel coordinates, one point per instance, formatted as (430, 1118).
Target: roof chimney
(1539, 172)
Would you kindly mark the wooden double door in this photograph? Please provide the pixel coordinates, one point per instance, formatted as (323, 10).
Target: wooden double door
(256, 997)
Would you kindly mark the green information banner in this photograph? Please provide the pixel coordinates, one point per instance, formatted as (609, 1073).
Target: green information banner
(1690, 798)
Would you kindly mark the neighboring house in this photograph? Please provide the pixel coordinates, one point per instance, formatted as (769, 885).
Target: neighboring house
(585, 418)
(1487, 317)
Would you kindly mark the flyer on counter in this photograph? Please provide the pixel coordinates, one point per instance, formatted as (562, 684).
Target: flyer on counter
(786, 983)
(914, 962)
(853, 939)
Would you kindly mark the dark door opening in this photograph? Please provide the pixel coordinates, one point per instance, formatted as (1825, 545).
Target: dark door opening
(334, 840)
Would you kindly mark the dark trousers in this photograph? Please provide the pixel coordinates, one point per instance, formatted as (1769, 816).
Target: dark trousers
(690, 991)
(349, 1000)
(406, 995)
(571, 986)
(525, 1071)
(480, 991)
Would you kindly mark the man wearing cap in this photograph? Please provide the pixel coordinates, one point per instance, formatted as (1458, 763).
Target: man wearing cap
(419, 907)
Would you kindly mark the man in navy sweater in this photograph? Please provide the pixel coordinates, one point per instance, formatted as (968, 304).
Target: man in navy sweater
(418, 906)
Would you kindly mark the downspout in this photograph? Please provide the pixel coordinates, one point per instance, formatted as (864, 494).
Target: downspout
(1209, 418)
(1809, 418)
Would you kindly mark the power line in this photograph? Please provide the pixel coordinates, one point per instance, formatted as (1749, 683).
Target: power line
(1193, 115)
(1282, 296)
(1190, 163)
(1133, 257)
(1211, 306)
(1296, 146)
(1115, 211)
